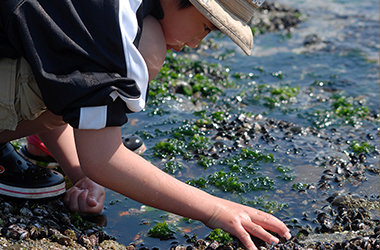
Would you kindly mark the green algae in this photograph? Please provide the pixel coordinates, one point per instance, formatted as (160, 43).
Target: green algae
(186, 139)
(256, 155)
(343, 110)
(362, 147)
(247, 169)
(187, 130)
(206, 162)
(219, 115)
(284, 169)
(220, 236)
(226, 181)
(257, 31)
(230, 182)
(299, 186)
(199, 142)
(202, 79)
(162, 230)
(170, 148)
(79, 222)
(281, 95)
(264, 203)
(205, 87)
(286, 174)
(172, 167)
(286, 177)
(272, 96)
(349, 108)
(158, 111)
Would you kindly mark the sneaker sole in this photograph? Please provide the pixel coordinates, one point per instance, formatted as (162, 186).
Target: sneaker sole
(33, 193)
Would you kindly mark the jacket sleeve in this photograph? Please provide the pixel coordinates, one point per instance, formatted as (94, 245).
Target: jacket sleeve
(84, 56)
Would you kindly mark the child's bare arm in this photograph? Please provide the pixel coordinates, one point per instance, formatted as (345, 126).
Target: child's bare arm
(105, 160)
(86, 196)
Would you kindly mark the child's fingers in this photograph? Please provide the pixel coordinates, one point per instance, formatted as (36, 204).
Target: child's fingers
(71, 198)
(82, 201)
(269, 222)
(245, 238)
(96, 194)
(262, 234)
(91, 201)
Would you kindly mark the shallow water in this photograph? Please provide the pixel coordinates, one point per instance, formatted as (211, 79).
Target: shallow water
(344, 62)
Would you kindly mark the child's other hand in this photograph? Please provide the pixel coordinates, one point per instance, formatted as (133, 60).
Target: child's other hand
(85, 197)
(243, 221)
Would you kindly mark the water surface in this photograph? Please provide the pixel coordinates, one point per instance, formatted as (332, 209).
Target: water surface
(345, 62)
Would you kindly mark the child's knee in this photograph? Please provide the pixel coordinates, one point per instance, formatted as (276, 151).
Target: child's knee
(152, 46)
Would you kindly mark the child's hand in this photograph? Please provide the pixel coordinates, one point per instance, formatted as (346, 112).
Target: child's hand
(85, 197)
(243, 221)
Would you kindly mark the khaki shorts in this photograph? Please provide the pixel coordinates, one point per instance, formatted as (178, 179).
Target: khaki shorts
(20, 97)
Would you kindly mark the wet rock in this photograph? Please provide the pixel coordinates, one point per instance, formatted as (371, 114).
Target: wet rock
(26, 212)
(274, 16)
(311, 39)
(184, 88)
(297, 130)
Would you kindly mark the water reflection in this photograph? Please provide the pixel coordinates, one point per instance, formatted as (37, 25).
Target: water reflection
(343, 62)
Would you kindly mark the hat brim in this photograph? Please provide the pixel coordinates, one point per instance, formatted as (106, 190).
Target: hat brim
(228, 23)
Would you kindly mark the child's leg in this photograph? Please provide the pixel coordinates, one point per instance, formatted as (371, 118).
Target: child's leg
(45, 122)
(20, 99)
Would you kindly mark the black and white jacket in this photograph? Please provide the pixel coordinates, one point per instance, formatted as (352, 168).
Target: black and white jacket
(83, 54)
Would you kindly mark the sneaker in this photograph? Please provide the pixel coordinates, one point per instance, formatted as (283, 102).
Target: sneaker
(22, 179)
(134, 143)
(45, 161)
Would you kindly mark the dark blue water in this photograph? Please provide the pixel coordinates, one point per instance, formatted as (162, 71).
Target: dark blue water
(344, 62)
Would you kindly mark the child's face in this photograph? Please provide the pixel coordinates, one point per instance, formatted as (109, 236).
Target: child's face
(183, 27)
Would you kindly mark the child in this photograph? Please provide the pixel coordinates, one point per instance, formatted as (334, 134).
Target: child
(92, 60)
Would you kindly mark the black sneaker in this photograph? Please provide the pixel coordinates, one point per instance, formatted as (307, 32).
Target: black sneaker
(134, 143)
(22, 179)
(44, 161)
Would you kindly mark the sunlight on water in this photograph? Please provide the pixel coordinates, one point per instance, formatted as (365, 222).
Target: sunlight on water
(343, 63)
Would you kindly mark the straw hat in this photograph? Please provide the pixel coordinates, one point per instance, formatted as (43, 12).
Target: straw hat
(231, 17)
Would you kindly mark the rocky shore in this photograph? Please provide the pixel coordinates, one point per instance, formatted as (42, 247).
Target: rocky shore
(347, 223)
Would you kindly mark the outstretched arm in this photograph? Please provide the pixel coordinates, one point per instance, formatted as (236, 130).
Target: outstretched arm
(111, 165)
